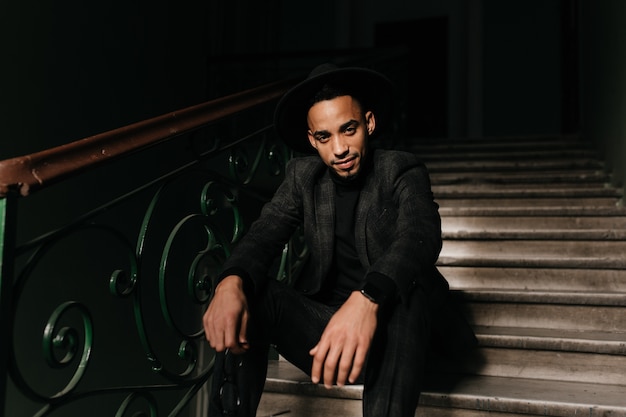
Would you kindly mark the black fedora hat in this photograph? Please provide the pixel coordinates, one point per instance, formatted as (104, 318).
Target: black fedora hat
(374, 90)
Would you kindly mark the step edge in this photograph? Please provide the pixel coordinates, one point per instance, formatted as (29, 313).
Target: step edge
(602, 343)
(530, 211)
(526, 296)
(533, 234)
(472, 400)
(570, 262)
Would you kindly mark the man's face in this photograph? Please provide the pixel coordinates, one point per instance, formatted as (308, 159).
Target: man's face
(339, 131)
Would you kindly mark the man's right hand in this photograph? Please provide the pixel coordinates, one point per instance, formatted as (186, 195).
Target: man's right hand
(226, 319)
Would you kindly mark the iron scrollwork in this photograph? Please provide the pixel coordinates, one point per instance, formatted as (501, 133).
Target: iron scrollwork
(67, 337)
(159, 275)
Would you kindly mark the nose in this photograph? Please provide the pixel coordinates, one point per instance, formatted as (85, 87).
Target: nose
(340, 147)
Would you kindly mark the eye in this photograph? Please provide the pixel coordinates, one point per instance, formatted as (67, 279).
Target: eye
(322, 138)
(351, 130)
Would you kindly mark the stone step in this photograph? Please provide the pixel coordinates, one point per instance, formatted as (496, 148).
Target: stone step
(548, 309)
(537, 207)
(538, 279)
(479, 396)
(512, 204)
(513, 155)
(289, 390)
(499, 144)
(534, 253)
(294, 404)
(485, 223)
(534, 227)
(547, 234)
(573, 177)
(529, 191)
(537, 315)
(534, 183)
(519, 166)
(541, 353)
(597, 342)
(546, 365)
(577, 298)
(555, 148)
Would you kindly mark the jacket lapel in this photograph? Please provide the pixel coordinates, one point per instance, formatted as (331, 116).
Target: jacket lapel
(324, 233)
(366, 200)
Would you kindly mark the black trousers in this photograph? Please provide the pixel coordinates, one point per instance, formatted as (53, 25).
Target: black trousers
(293, 323)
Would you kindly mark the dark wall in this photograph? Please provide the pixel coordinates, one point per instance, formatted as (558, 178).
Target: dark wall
(604, 80)
(522, 67)
(426, 41)
(72, 69)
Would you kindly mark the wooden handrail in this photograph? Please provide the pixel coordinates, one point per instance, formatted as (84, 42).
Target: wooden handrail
(23, 175)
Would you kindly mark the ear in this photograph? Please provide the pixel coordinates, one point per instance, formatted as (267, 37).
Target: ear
(312, 140)
(370, 122)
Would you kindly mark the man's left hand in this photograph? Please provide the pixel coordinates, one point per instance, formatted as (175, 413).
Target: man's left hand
(344, 344)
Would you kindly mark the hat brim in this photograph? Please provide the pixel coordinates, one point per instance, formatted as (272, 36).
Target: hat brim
(291, 111)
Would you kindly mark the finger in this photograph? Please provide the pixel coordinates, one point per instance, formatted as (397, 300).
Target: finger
(243, 330)
(230, 335)
(345, 366)
(215, 341)
(216, 337)
(209, 331)
(242, 341)
(319, 354)
(357, 365)
(205, 324)
(330, 367)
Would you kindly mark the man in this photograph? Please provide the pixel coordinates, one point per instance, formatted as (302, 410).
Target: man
(361, 311)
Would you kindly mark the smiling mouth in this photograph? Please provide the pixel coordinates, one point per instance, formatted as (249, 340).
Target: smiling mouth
(345, 163)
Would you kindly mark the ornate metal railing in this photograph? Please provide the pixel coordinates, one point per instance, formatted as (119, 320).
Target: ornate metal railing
(105, 308)
(108, 250)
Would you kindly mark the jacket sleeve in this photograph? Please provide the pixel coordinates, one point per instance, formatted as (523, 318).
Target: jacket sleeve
(253, 256)
(405, 240)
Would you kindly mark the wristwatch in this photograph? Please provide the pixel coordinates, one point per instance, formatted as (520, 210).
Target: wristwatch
(373, 293)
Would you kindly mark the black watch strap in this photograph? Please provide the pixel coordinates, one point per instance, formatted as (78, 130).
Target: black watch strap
(373, 293)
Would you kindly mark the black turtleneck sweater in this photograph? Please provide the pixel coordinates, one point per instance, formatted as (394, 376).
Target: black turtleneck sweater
(348, 274)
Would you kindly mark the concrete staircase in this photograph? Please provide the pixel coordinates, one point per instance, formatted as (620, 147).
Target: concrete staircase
(535, 249)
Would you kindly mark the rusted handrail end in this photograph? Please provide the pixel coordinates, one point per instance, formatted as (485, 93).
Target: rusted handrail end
(16, 177)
